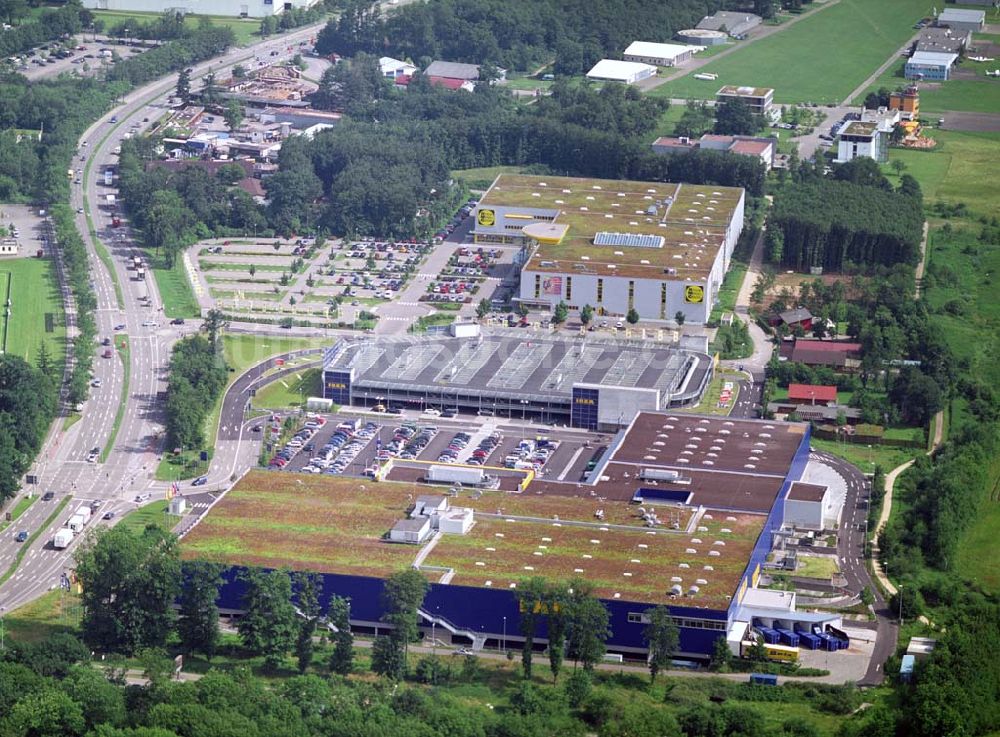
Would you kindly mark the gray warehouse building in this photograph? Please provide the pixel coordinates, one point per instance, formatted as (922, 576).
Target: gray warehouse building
(735, 24)
(616, 245)
(596, 383)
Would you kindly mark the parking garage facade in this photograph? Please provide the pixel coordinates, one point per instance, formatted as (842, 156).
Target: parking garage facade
(598, 384)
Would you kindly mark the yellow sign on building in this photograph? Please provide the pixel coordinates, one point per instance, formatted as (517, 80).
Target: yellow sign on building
(694, 294)
(486, 218)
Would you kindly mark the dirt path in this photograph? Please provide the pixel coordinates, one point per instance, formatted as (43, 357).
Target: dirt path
(919, 274)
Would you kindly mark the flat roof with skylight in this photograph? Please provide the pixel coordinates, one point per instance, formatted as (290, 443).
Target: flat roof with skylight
(643, 229)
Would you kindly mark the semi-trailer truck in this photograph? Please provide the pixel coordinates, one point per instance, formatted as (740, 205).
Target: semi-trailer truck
(456, 475)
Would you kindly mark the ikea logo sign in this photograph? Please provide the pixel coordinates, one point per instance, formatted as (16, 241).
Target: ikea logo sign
(336, 385)
(585, 400)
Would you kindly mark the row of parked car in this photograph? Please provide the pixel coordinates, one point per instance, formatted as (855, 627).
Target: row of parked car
(457, 218)
(531, 454)
(408, 441)
(456, 446)
(344, 445)
(486, 446)
(297, 442)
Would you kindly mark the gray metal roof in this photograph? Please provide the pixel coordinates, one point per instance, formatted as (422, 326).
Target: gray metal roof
(453, 70)
(961, 15)
(933, 58)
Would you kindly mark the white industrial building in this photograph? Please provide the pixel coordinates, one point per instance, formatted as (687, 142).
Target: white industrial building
(808, 506)
(659, 248)
(661, 55)
(234, 8)
(627, 72)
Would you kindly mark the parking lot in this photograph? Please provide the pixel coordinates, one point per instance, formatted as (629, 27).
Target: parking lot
(352, 444)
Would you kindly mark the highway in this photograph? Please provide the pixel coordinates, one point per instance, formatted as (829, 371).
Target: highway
(62, 465)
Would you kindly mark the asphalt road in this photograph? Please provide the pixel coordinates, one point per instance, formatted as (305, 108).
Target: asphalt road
(129, 467)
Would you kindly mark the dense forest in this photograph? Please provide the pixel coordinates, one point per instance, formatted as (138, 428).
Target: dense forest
(836, 224)
(27, 403)
(518, 34)
(197, 378)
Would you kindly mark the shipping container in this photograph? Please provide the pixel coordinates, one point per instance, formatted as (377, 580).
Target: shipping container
(788, 638)
(764, 679)
(771, 637)
(809, 641)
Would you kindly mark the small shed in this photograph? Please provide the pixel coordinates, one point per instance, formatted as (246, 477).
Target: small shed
(412, 531)
(178, 505)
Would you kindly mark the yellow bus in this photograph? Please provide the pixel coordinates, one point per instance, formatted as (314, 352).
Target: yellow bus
(782, 653)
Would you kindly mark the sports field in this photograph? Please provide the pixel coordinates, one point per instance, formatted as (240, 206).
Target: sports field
(245, 28)
(36, 313)
(820, 59)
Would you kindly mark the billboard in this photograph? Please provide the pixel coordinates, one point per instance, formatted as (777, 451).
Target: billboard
(486, 217)
(552, 285)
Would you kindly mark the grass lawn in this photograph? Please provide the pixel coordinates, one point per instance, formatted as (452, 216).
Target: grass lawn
(961, 169)
(20, 508)
(432, 320)
(50, 614)
(290, 391)
(186, 465)
(844, 43)
(817, 566)
(482, 177)
(246, 29)
(243, 351)
(729, 290)
(151, 514)
(36, 313)
(866, 458)
(175, 291)
(977, 552)
(709, 404)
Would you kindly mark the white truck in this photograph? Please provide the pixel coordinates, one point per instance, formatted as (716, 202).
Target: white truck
(84, 512)
(456, 475)
(62, 538)
(76, 523)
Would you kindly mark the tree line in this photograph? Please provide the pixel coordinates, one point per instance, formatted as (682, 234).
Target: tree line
(51, 25)
(198, 374)
(28, 396)
(202, 43)
(831, 224)
(176, 208)
(519, 34)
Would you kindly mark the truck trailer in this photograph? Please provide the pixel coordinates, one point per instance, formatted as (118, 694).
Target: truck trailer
(456, 475)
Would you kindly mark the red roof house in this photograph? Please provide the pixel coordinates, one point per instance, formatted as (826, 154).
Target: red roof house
(835, 353)
(812, 394)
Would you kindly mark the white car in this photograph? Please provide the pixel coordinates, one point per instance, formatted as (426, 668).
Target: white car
(432, 412)
(150, 324)
(95, 383)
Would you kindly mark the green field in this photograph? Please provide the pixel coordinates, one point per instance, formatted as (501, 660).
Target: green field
(34, 293)
(175, 291)
(961, 169)
(837, 46)
(49, 614)
(291, 391)
(151, 514)
(246, 29)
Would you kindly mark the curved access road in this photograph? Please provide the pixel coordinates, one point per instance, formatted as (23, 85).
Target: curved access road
(134, 433)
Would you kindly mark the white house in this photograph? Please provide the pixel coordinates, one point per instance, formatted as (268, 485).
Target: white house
(661, 55)
(393, 68)
(8, 247)
(627, 72)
